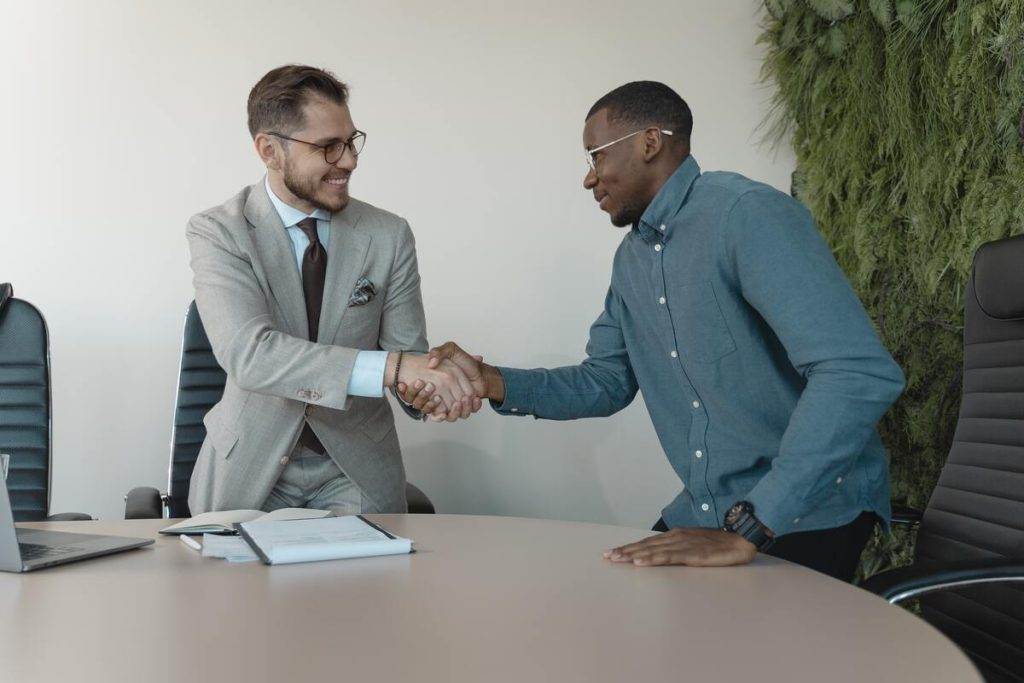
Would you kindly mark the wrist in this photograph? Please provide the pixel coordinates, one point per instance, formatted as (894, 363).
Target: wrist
(743, 522)
(494, 382)
(391, 370)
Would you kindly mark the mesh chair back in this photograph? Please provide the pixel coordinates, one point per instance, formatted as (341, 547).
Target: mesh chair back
(25, 407)
(200, 386)
(977, 508)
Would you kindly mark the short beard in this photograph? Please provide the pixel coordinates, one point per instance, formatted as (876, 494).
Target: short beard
(628, 215)
(307, 190)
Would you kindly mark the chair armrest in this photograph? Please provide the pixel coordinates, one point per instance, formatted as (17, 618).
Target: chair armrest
(419, 504)
(906, 516)
(69, 517)
(897, 585)
(143, 502)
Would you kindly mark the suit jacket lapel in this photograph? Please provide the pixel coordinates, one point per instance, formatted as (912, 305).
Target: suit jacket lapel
(278, 258)
(346, 255)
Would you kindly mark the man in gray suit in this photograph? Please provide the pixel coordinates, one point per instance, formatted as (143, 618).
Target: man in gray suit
(311, 300)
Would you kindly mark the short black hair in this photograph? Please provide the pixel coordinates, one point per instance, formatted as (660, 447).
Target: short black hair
(276, 101)
(648, 103)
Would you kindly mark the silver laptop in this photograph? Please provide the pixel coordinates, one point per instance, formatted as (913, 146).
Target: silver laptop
(22, 550)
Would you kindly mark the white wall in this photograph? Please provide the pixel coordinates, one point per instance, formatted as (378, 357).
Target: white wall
(121, 119)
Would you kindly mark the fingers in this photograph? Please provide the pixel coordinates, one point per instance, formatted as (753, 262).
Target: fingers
(409, 393)
(694, 547)
(439, 353)
(655, 558)
(424, 397)
(645, 544)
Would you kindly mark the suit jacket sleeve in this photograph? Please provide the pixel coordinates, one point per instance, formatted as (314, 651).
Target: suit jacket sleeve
(403, 324)
(235, 313)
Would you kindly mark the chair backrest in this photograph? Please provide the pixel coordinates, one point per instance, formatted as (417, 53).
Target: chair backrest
(25, 406)
(200, 385)
(977, 508)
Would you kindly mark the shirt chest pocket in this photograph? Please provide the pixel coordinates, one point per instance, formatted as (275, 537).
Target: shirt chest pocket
(701, 330)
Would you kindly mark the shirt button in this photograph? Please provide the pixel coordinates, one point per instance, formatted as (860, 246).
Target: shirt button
(657, 247)
(796, 521)
(839, 480)
(515, 410)
(674, 354)
(309, 409)
(699, 454)
(661, 301)
(284, 460)
(662, 228)
(705, 507)
(696, 404)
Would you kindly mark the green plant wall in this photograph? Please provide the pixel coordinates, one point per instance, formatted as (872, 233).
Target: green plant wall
(906, 120)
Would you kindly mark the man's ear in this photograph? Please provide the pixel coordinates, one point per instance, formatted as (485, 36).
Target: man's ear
(653, 142)
(269, 151)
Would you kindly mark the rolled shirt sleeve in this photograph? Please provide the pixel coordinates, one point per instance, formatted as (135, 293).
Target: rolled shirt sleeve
(788, 274)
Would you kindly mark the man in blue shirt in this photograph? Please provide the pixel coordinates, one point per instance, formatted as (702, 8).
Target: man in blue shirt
(763, 375)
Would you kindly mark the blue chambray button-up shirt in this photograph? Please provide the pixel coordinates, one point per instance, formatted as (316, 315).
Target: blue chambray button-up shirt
(761, 371)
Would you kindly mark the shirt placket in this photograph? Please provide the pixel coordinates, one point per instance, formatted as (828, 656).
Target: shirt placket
(704, 503)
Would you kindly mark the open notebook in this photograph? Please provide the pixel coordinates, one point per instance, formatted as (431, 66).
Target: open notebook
(311, 540)
(224, 522)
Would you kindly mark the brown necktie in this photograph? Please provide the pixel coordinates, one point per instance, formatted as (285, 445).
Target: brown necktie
(314, 273)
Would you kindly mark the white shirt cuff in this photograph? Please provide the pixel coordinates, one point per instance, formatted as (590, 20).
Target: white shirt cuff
(368, 374)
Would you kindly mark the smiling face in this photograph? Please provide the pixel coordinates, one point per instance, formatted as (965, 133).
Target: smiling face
(621, 180)
(299, 174)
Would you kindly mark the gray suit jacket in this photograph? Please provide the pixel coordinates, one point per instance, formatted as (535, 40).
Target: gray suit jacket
(249, 295)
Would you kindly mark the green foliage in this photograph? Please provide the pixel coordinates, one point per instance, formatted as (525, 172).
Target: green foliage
(906, 121)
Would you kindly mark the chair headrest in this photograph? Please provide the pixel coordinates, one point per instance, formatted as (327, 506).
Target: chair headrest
(999, 278)
(6, 292)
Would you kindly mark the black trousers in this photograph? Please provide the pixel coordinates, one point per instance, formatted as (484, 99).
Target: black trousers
(835, 552)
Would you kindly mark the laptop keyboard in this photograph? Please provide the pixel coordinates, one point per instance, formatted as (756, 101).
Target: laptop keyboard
(35, 551)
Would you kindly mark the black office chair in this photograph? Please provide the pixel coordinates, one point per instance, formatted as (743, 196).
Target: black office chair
(200, 385)
(969, 558)
(26, 432)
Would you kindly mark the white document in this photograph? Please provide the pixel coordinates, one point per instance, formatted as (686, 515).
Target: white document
(223, 522)
(230, 548)
(311, 540)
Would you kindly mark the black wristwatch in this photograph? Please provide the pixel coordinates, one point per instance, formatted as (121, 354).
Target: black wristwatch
(740, 520)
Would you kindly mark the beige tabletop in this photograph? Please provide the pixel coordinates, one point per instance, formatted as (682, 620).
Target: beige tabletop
(483, 599)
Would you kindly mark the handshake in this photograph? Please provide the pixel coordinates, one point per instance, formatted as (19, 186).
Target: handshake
(446, 384)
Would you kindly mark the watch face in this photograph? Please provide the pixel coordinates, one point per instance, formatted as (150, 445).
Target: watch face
(734, 513)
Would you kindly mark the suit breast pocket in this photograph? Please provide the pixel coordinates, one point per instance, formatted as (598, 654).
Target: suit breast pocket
(701, 330)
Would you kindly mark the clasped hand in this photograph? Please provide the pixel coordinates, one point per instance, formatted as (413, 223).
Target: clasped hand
(447, 384)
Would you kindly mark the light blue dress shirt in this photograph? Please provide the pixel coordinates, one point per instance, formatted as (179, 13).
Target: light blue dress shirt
(368, 374)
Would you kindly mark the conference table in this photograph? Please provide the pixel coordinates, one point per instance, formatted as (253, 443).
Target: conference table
(481, 599)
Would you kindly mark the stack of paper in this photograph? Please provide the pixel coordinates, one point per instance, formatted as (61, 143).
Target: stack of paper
(230, 548)
(310, 540)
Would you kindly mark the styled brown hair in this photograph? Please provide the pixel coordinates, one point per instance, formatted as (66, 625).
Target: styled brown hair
(276, 101)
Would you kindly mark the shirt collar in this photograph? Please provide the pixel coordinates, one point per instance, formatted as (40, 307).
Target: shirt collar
(655, 221)
(291, 216)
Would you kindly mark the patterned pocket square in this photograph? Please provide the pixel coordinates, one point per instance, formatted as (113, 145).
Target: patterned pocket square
(363, 292)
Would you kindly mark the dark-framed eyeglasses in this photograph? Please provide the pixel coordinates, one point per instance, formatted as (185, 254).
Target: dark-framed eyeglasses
(334, 151)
